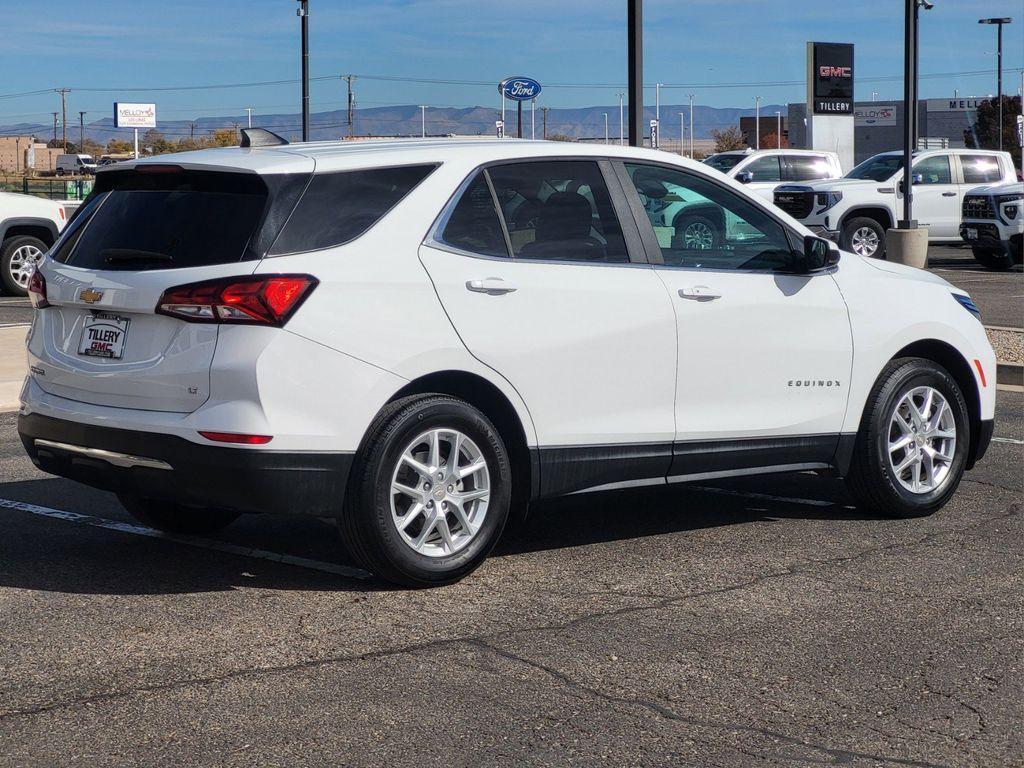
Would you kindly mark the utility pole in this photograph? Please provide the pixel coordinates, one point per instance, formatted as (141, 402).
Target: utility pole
(757, 122)
(63, 117)
(657, 109)
(303, 13)
(999, 68)
(682, 132)
(635, 64)
(423, 121)
(544, 121)
(605, 127)
(249, 111)
(622, 134)
(533, 119)
(351, 102)
(691, 126)
(81, 131)
(55, 127)
(192, 131)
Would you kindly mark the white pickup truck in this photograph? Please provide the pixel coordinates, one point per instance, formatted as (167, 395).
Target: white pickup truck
(857, 209)
(28, 227)
(993, 224)
(762, 170)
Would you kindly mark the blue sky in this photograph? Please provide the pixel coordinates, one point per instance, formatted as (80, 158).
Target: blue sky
(122, 44)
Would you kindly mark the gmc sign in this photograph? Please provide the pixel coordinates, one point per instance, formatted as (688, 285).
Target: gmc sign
(832, 71)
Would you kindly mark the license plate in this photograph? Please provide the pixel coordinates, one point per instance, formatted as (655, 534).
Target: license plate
(103, 336)
(970, 233)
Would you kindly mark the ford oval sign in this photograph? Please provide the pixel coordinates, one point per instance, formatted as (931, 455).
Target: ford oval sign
(519, 88)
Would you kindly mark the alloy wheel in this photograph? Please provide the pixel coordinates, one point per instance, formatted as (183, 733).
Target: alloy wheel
(440, 489)
(922, 440)
(864, 242)
(23, 263)
(698, 236)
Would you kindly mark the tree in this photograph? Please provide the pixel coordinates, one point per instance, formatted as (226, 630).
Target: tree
(156, 142)
(119, 147)
(225, 137)
(728, 139)
(985, 131)
(559, 137)
(771, 141)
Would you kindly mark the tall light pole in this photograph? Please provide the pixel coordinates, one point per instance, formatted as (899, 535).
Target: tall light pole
(778, 129)
(533, 118)
(657, 113)
(605, 127)
(874, 95)
(999, 68)
(757, 122)
(691, 126)
(423, 121)
(248, 111)
(622, 133)
(682, 131)
(303, 13)
(544, 122)
(81, 131)
(635, 65)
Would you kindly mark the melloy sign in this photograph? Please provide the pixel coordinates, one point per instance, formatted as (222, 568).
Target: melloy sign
(872, 115)
(135, 116)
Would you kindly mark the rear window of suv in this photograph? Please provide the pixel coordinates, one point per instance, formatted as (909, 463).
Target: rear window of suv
(167, 218)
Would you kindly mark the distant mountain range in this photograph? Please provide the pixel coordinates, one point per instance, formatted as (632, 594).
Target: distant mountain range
(584, 122)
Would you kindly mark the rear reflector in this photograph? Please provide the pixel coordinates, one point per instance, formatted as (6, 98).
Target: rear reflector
(234, 437)
(257, 300)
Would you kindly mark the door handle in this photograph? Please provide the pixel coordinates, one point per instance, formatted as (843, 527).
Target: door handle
(492, 286)
(699, 293)
(949, 194)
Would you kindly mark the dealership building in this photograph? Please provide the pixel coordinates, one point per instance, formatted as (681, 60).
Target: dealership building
(878, 125)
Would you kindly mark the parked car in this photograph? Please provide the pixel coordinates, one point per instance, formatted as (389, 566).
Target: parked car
(75, 165)
(857, 209)
(764, 169)
(993, 224)
(28, 227)
(420, 337)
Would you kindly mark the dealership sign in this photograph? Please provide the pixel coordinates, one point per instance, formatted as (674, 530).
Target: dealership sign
(872, 115)
(519, 88)
(134, 115)
(954, 105)
(831, 78)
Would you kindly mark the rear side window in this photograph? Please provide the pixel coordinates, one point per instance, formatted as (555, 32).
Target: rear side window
(980, 169)
(473, 224)
(807, 168)
(765, 169)
(337, 208)
(168, 220)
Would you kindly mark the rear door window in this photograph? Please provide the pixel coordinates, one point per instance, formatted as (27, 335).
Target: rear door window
(168, 220)
(807, 168)
(980, 169)
(337, 208)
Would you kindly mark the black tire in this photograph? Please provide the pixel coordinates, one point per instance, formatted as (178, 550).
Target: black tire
(997, 261)
(176, 518)
(12, 244)
(860, 222)
(871, 478)
(370, 533)
(59, 172)
(684, 222)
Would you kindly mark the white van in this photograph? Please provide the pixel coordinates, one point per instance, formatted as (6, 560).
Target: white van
(73, 165)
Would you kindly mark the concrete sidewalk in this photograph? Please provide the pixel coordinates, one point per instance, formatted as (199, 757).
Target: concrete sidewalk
(13, 365)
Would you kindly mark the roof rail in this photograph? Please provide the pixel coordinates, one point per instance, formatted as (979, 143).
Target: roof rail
(261, 137)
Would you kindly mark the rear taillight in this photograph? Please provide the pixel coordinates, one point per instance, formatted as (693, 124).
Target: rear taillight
(37, 290)
(269, 300)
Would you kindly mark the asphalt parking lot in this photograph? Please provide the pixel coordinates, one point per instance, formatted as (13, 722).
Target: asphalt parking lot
(763, 622)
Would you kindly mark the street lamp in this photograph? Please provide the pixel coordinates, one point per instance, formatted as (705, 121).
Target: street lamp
(682, 131)
(778, 129)
(691, 126)
(757, 122)
(910, 56)
(423, 121)
(605, 127)
(999, 68)
(303, 13)
(621, 130)
(874, 94)
(657, 112)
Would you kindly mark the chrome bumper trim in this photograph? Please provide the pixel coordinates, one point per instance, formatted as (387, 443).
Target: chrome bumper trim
(111, 457)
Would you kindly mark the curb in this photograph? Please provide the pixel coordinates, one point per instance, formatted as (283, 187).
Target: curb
(1011, 374)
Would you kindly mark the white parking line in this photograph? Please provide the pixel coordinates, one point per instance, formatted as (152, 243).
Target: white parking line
(192, 541)
(1010, 440)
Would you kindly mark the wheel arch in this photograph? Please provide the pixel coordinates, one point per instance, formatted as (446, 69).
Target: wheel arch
(487, 397)
(959, 368)
(42, 229)
(880, 214)
(711, 212)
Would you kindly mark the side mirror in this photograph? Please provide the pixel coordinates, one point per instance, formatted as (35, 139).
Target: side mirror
(744, 177)
(818, 255)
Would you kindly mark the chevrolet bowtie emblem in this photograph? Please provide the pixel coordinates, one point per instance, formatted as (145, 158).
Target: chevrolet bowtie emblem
(89, 296)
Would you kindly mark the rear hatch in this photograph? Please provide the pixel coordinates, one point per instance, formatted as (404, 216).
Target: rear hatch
(141, 232)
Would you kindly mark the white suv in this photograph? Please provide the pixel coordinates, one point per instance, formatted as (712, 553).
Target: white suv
(857, 209)
(420, 337)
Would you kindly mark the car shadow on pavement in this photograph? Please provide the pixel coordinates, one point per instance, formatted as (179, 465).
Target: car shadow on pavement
(42, 552)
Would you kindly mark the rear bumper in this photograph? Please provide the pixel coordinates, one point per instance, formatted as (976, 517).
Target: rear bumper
(171, 468)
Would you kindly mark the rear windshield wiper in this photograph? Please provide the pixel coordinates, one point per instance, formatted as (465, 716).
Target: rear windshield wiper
(127, 255)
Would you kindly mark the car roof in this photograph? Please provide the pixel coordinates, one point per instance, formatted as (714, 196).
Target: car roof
(324, 156)
(787, 150)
